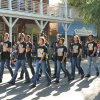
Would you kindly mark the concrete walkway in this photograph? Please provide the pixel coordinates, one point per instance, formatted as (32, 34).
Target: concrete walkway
(86, 89)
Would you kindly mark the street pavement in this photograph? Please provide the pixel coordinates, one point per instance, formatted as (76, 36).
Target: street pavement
(85, 89)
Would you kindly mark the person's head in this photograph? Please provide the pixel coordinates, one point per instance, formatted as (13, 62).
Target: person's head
(6, 36)
(91, 37)
(76, 39)
(27, 38)
(21, 36)
(61, 41)
(41, 41)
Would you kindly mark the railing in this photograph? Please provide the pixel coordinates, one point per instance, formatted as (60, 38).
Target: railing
(30, 6)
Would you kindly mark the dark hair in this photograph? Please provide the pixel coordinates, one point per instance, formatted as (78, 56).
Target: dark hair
(42, 39)
(91, 36)
(28, 36)
(21, 35)
(62, 39)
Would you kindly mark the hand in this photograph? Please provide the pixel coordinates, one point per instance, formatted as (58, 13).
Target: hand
(78, 56)
(62, 61)
(92, 55)
(40, 61)
(1, 43)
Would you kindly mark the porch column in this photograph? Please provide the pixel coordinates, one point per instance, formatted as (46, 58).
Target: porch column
(10, 25)
(41, 24)
(41, 7)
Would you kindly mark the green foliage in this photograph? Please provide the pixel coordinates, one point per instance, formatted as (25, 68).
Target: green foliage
(89, 9)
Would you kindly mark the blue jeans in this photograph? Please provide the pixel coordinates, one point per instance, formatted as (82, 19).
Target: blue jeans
(76, 61)
(29, 61)
(17, 66)
(90, 60)
(72, 65)
(7, 62)
(55, 67)
(63, 67)
(43, 66)
(48, 67)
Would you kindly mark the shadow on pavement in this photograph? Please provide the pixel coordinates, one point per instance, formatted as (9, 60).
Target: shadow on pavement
(84, 84)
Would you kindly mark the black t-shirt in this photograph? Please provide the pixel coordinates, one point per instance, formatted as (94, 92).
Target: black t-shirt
(40, 51)
(21, 56)
(90, 48)
(60, 50)
(29, 54)
(5, 54)
(75, 49)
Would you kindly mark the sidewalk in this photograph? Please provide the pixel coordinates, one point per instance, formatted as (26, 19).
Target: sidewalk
(86, 89)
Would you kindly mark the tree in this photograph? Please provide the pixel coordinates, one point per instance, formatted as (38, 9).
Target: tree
(89, 9)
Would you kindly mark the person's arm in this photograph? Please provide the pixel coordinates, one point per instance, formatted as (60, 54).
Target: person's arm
(80, 51)
(28, 48)
(95, 50)
(65, 55)
(42, 57)
(9, 47)
(23, 48)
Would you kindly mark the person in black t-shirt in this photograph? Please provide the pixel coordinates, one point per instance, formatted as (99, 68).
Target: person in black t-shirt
(91, 55)
(47, 56)
(76, 51)
(20, 60)
(54, 57)
(41, 62)
(61, 51)
(5, 56)
(1, 49)
(28, 56)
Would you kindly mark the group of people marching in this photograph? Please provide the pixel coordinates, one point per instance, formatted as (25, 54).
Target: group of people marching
(23, 53)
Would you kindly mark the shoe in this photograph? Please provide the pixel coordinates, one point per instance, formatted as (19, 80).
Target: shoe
(48, 84)
(79, 73)
(82, 76)
(88, 75)
(11, 83)
(72, 78)
(53, 77)
(56, 82)
(26, 82)
(0, 80)
(20, 78)
(69, 79)
(65, 76)
(33, 86)
(97, 74)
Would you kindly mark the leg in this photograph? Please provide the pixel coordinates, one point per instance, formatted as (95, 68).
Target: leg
(30, 65)
(78, 62)
(63, 66)
(36, 74)
(55, 68)
(58, 70)
(73, 68)
(2, 70)
(48, 78)
(48, 67)
(8, 66)
(21, 74)
(17, 66)
(25, 70)
(89, 64)
(95, 66)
